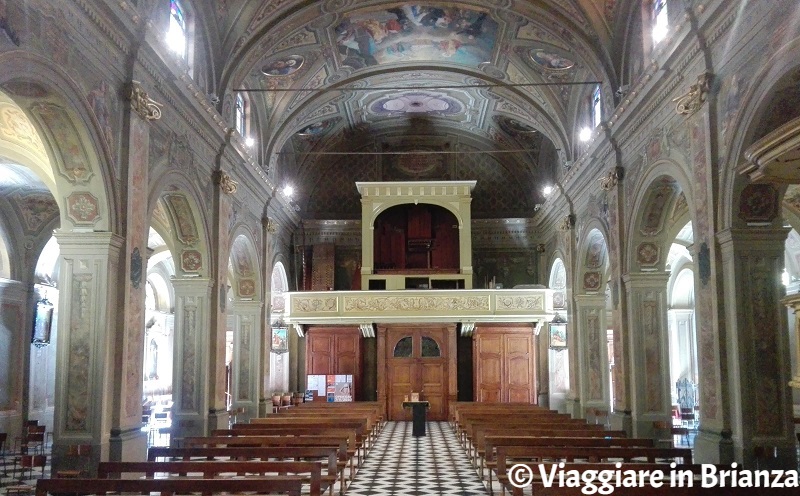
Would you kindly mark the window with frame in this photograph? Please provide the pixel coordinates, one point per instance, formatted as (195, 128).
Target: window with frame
(240, 115)
(597, 107)
(660, 21)
(177, 32)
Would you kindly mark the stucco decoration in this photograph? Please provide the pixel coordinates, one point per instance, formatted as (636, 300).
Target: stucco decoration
(191, 261)
(416, 102)
(655, 208)
(246, 288)
(596, 251)
(64, 143)
(357, 304)
(593, 358)
(82, 208)
(243, 362)
(647, 254)
(80, 354)
(188, 380)
(17, 131)
(510, 303)
(315, 304)
(181, 211)
(652, 352)
(591, 281)
(758, 203)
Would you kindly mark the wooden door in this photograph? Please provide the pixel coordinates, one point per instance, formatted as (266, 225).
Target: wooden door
(334, 350)
(416, 361)
(504, 362)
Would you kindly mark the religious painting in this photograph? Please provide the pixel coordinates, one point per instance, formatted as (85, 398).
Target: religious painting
(417, 102)
(551, 59)
(416, 33)
(283, 66)
(280, 339)
(558, 335)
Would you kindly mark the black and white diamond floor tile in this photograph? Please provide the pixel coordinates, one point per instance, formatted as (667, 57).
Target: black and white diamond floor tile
(400, 464)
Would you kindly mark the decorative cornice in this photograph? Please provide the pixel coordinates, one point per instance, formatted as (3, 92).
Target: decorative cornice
(467, 329)
(367, 330)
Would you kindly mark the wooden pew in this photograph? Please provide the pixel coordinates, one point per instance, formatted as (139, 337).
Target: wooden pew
(290, 485)
(310, 471)
(492, 442)
(327, 454)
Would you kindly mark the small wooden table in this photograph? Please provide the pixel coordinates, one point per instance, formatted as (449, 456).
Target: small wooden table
(418, 416)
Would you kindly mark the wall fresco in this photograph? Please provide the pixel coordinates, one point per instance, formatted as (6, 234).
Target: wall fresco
(65, 143)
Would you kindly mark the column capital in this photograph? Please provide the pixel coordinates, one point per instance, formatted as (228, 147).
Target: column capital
(593, 300)
(646, 279)
(760, 239)
(197, 286)
(239, 306)
(88, 243)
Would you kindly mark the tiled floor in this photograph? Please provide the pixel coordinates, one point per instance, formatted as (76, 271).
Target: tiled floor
(400, 464)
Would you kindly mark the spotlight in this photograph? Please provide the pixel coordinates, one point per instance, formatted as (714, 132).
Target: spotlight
(547, 190)
(288, 191)
(249, 142)
(585, 134)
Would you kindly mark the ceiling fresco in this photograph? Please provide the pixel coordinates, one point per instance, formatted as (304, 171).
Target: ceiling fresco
(381, 77)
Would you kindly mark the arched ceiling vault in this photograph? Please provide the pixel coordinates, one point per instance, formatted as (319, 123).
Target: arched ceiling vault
(448, 78)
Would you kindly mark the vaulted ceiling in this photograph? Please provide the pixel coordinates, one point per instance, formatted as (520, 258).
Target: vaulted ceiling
(347, 90)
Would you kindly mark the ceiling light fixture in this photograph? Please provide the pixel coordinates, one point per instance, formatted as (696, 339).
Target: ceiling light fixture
(547, 190)
(288, 190)
(585, 134)
(249, 142)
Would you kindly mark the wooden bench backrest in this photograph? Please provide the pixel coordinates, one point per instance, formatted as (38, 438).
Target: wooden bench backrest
(245, 453)
(277, 437)
(260, 485)
(503, 453)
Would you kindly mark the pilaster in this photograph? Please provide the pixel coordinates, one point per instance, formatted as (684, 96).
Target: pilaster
(757, 342)
(190, 390)
(85, 362)
(649, 346)
(590, 329)
(246, 358)
(15, 333)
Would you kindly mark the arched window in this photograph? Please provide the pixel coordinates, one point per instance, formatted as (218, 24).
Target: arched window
(241, 115)
(177, 38)
(403, 348)
(430, 348)
(597, 108)
(660, 21)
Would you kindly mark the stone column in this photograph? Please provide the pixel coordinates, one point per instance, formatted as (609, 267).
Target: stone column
(649, 346)
(190, 377)
(87, 333)
(758, 365)
(590, 327)
(245, 377)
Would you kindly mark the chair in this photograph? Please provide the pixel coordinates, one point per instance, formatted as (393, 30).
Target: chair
(276, 403)
(30, 442)
(688, 418)
(666, 432)
(286, 401)
(30, 462)
(600, 416)
(77, 455)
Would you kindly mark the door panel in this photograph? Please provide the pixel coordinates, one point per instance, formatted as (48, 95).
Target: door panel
(518, 365)
(503, 365)
(428, 375)
(489, 380)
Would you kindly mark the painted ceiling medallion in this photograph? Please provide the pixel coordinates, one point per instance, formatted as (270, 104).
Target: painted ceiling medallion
(551, 59)
(513, 126)
(283, 66)
(415, 103)
(315, 129)
(416, 33)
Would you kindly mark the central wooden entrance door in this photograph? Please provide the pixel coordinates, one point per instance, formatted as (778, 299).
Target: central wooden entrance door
(417, 359)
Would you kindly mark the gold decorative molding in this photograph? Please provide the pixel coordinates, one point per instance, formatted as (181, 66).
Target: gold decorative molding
(226, 184)
(611, 179)
(567, 223)
(272, 226)
(142, 104)
(691, 101)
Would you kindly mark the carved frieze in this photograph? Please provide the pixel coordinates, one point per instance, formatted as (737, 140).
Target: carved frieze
(415, 303)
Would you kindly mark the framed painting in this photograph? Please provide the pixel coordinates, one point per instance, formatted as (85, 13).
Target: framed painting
(558, 335)
(42, 323)
(280, 339)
